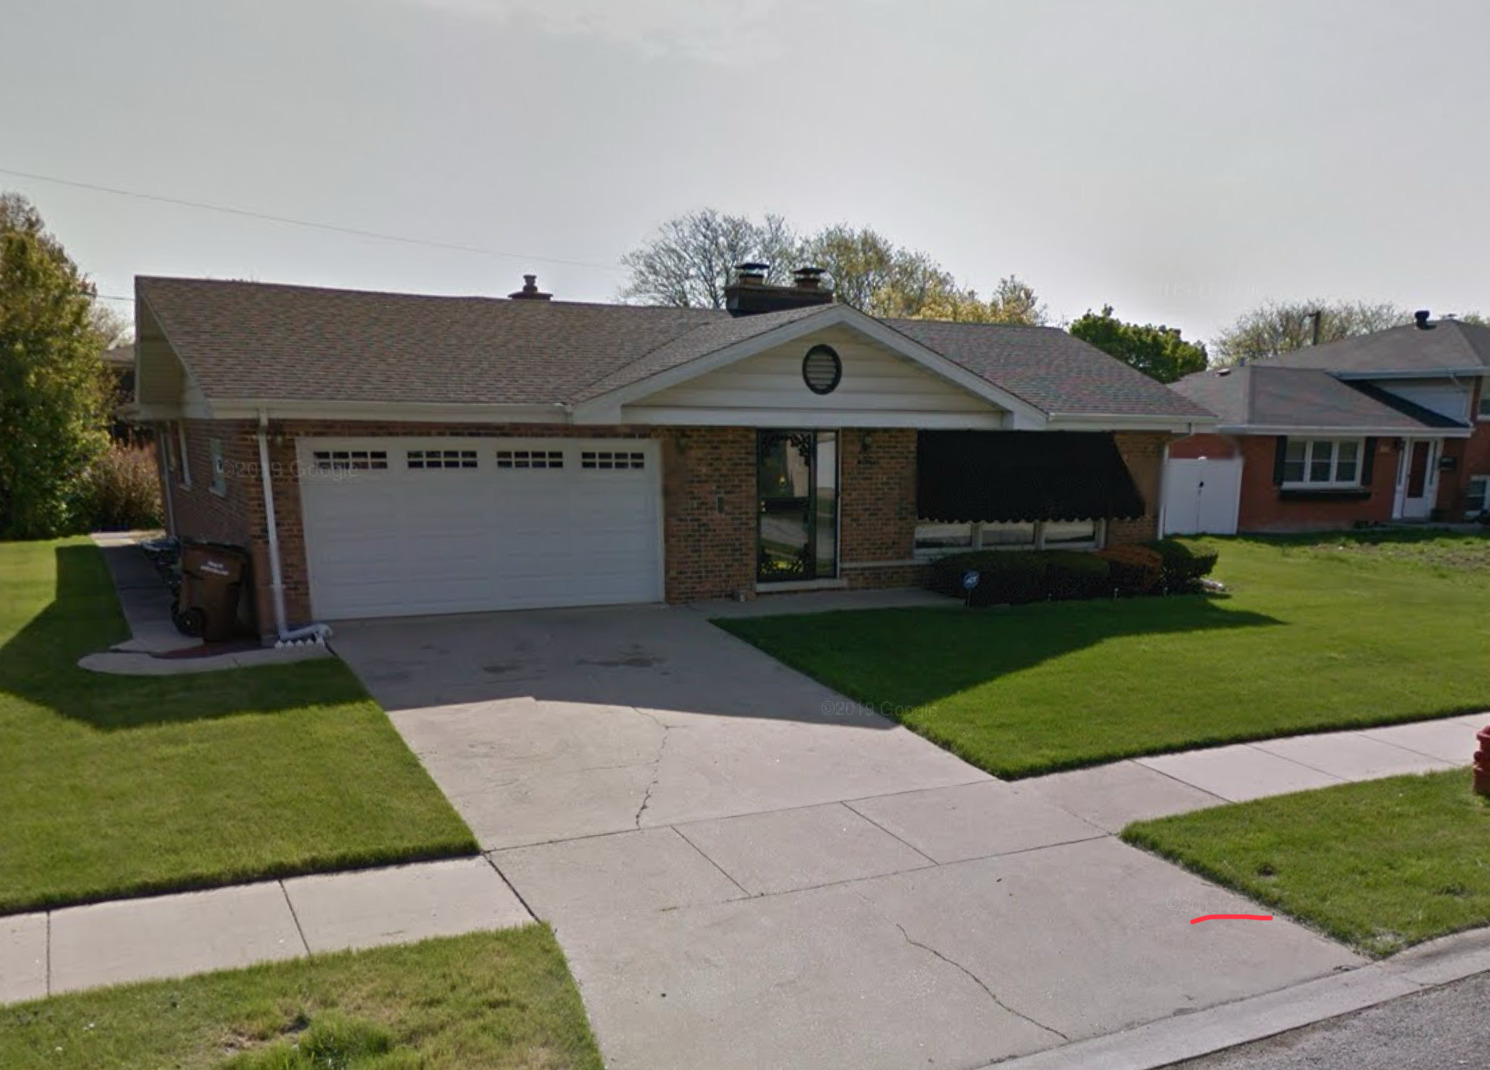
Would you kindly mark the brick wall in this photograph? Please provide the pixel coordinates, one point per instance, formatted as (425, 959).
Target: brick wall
(1197, 447)
(1143, 453)
(877, 507)
(1265, 508)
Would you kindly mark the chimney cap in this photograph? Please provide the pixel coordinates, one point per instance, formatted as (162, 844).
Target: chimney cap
(1421, 316)
(530, 291)
(808, 278)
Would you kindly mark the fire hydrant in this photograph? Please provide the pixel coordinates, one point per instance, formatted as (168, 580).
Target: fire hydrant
(1482, 763)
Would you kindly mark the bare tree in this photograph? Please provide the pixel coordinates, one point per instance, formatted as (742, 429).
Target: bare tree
(689, 260)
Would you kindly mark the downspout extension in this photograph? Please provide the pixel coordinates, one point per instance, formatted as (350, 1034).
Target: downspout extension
(311, 633)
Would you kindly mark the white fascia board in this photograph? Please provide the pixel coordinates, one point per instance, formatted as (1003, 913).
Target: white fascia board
(1346, 432)
(607, 407)
(1081, 421)
(642, 416)
(1428, 373)
(391, 411)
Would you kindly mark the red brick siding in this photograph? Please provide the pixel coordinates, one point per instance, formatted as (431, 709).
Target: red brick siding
(1263, 507)
(877, 507)
(1143, 453)
(1196, 447)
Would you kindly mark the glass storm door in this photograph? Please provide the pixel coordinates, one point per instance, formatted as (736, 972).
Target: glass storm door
(797, 479)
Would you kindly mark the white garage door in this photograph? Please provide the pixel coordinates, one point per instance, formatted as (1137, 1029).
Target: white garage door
(1201, 496)
(452, 525)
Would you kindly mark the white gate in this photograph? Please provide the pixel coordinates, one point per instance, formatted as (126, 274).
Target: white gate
(1201, 497)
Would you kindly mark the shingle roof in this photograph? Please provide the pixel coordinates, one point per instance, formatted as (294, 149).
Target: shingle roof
(1449, 345)
(1049, 368)
(1264, 395)
(120, 356)
(263, 341)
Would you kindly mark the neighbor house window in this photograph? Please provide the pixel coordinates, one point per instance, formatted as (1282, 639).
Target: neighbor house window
(935, 540)
(219, 467)
(1477, 498)
(1484, 409)
(184, 456)
(1322, 462)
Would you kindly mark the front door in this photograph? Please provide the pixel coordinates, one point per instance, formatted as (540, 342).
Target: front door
(797, 479)
(1417, 479)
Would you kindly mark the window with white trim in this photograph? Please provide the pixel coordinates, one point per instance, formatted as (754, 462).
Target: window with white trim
(530, 458)
(350, 460)
(936, 539)
(219, 467)
(441, 459)
(611, 459)
(185, 456)
(1322, 462)
(1477, 497)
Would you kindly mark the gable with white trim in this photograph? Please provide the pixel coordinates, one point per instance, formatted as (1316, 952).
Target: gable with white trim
(878, 388)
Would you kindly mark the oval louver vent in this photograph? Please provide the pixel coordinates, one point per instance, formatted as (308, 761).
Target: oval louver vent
(821, 369)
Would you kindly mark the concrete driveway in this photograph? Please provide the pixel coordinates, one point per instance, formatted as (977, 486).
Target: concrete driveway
(748, 870)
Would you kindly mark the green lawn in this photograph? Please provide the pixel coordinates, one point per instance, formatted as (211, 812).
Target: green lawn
(1379, 865)
(492, 1000)
(1316, 633)
(117, 785)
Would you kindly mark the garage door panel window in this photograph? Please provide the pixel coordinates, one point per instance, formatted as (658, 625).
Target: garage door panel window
(612, 459)
(1322, 462)
(427, 459)
(530, 459)
(329, 461)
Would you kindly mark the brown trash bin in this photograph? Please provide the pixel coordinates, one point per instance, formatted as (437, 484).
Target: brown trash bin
(211, 583)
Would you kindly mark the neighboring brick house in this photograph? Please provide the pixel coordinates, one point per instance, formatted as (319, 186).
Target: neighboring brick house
(1387, 426)
(385, 454)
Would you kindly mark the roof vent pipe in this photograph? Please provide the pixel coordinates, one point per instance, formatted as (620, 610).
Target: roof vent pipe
(530, 291)
(1421, 316)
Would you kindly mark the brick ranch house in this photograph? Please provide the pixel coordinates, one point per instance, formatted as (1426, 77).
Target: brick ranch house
(388, 454)
(1393, 425)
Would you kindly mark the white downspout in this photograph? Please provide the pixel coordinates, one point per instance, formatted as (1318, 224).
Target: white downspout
(311, 633)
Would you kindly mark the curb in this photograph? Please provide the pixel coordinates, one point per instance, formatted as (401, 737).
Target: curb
(1189, 1036)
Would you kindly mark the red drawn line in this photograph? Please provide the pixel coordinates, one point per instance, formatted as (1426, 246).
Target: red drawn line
(1222, 917)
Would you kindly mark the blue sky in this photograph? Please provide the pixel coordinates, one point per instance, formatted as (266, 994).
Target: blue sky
(1182, 160)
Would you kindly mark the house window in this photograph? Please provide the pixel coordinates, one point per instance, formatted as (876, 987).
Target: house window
(219, 467)
(184, 455)
(1484, 410)
(1477, 497)
(611, 459)
(936, 539)
(1322, 462)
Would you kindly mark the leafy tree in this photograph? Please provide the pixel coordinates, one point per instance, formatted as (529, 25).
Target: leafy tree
(1282, 326)
(1157, 351)
(52, 393)
(689, 260)
(871, 273)
(1012, 302)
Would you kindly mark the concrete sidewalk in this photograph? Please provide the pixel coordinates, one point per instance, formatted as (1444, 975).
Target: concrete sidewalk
(124, 940)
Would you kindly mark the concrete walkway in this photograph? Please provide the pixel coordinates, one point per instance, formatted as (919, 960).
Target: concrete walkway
(745, 869)
(155, 647)
(71, 948)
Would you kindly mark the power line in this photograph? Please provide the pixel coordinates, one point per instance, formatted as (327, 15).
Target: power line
(287, 221)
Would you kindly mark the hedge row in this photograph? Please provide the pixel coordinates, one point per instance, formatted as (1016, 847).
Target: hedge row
(1014, 577)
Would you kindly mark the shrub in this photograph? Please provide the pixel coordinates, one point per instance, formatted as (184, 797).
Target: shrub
(1134, 570)
(1072, 574)
(120, 490)
(1184, 566)
(1006, 577)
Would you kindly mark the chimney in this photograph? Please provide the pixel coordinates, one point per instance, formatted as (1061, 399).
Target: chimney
(750, 293)
(530, 291)
(1421, 316)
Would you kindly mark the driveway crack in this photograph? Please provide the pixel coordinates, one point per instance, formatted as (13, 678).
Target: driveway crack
(979, 982)
(656, 766)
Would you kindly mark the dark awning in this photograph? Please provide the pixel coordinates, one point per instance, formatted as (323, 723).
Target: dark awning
(1022, 475)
